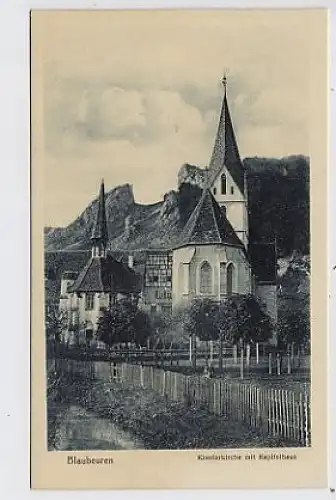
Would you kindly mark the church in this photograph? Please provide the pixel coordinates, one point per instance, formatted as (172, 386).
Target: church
(212, 259)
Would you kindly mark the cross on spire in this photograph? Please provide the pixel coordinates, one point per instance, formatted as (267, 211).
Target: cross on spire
(224, 82)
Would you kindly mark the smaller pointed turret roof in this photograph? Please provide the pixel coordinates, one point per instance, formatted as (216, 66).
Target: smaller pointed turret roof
(106, 274)
(208, 225)
(99, 231)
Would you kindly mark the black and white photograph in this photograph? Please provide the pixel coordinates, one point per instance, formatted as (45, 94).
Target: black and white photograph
(176, 187)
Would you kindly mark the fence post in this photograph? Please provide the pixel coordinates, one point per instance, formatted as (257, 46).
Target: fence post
(288, 364)
(278, 364)
(175, 386)
(301, 421)
(257, 353)
(242, 362)
(220, 359)
(142, 376)
(248, 353)
(292, 353)
(152, 377)
(235, 353)
(306, 420)
(194, 353)
(164, 383)
(297, 419)
(211, 351)
(270, 363)
(258, 407)
(298, 357)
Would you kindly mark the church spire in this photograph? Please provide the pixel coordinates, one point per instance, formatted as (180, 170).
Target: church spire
(225, 151)
(224, 82)
(99, 232)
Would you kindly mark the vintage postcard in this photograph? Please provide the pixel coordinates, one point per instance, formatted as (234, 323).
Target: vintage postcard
(179, 249)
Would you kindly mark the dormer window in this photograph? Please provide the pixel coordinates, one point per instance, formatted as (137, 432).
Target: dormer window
(223, 184)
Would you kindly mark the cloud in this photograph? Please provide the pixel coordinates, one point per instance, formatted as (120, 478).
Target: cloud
(143, 135)
(96, 113)
(131, 96)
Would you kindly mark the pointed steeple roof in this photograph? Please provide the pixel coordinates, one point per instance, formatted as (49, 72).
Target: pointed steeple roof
(99, 231)
(225, 151)
(208, 225)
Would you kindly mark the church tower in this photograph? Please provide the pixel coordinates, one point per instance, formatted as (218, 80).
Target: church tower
(227, 176)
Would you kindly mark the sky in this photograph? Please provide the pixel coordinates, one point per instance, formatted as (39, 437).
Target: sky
(132, 96)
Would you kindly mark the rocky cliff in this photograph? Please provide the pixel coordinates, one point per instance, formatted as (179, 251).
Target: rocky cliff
(278, 193)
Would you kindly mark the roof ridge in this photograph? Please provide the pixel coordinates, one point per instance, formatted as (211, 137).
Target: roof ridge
(82, 275)
(100, 272)
(213, 213)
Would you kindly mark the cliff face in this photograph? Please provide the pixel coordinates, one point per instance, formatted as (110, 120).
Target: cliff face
(119, 202)
(278, 194)
(190, 174)
(130, 225)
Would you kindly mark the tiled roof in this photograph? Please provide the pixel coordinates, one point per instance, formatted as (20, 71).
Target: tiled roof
(208, 225)
(69, 275)
(264, 262)
(225, 151)
(103, 274)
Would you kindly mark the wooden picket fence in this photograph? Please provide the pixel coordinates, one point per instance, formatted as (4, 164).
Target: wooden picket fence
(276, 412)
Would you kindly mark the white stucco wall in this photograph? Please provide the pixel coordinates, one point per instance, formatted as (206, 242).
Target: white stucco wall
(187, 262)
(235, 204)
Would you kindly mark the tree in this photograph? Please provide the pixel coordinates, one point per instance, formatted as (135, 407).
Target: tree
(242, 319)
(123, 323)
(199, 317)
(142, 328)
(159, 326)
(198, 320)
(55, 322)
(293, 328)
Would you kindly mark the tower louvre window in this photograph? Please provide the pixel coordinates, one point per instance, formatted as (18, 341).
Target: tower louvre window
(215, 191)
(232, 190)
(206, 278)
(223, 184)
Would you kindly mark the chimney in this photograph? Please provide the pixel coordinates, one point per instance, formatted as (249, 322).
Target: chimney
(130, 261)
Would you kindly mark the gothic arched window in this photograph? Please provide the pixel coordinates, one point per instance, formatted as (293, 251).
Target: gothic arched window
(206, 278)
(222, 276)
(223, 184)
(229, 279)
